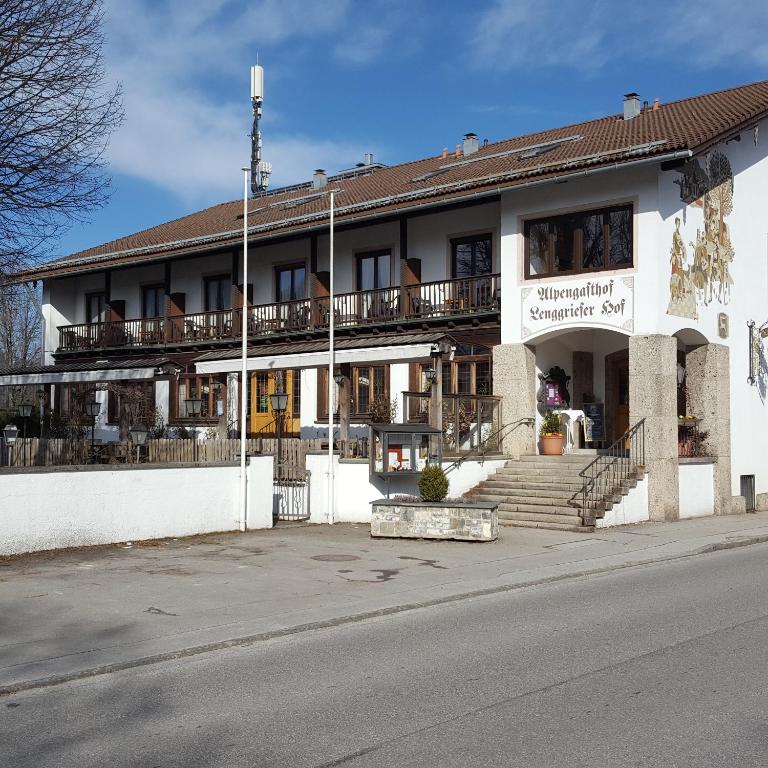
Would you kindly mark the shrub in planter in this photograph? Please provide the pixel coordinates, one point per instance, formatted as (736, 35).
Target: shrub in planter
(551, 434)
(433, 484)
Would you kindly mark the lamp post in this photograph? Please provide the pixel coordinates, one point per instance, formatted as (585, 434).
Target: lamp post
(279, 402)
(138, 434)
(25, 411)
(41, 402)
(92, 408)
(10, 433)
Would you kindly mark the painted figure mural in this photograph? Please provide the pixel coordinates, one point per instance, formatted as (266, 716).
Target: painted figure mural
(707, 278)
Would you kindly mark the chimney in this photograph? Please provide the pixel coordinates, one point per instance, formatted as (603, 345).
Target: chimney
(320, 179)
(368, 158)
(457, 151)
(470, 143)
(631, 105)
(445, 152)
(656, 103)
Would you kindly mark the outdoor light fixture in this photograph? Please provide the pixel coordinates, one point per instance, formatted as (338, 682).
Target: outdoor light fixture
(279, 402)
(25, 411)
(430, 374)
(680, 375)
(138, 433)
(194, 406)
(10, 433)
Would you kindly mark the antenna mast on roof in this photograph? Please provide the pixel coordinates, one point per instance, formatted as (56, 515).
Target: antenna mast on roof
(260, 169)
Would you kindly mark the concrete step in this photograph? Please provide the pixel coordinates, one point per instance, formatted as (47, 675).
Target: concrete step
(500, 481)
(540, 517)
(550, 492)
(536, 474)
(547, 526)
(537, 497)
(559, 509)
(563, 459)
(538, 501)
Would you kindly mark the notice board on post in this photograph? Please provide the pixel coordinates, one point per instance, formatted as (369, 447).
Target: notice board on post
(594, 422)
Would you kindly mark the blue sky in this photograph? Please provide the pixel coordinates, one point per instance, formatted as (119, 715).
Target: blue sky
(399, 78)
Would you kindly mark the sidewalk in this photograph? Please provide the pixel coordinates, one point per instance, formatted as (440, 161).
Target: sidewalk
(75, 614)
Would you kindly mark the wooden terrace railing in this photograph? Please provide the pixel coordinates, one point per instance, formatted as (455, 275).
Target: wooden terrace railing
(442, 298)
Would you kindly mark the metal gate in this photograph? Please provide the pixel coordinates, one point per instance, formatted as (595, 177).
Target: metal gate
(291, 492)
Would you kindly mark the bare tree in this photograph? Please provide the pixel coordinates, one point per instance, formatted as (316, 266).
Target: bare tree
(20, 336)
(56, 116)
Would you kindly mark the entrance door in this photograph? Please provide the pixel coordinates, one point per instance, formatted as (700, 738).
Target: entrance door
(617, 394)
(264, 384)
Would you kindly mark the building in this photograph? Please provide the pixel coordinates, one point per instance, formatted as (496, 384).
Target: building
(619, 262)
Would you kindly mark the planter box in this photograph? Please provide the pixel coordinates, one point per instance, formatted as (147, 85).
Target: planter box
(434, 520)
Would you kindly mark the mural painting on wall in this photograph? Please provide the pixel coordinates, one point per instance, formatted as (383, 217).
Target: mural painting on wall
(702, 275)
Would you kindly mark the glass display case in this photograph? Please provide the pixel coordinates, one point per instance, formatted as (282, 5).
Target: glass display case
(397, 449)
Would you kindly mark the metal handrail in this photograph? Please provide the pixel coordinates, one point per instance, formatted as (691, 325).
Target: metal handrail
(498, 434)
(622, 461)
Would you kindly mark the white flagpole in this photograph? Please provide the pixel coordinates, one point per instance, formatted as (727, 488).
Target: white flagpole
(331, 382)
(244, 356)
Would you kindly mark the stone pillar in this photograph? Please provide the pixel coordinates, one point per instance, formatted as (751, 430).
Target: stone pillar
(583, 380)
(708, 386)
(514, 380)
(653, 397)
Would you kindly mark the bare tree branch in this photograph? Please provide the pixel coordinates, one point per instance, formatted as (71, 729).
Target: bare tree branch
(56, 117)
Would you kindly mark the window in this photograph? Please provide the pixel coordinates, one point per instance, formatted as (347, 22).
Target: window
(218, 293)
(152, 301)
(370, 391)
(469, 373)
(471, 256)
(136, 397)
(290, 282)
(369, 388)
(211, 390)
(587, 241)
(95, 308)
(296, 392)
(373, 270)
(70, 401)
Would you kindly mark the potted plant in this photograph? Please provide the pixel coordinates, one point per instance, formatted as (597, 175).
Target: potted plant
(551, 434)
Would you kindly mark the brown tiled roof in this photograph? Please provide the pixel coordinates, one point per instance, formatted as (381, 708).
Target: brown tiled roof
(689, 125)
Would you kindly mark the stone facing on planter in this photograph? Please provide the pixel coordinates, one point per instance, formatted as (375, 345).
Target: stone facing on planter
(434, 520)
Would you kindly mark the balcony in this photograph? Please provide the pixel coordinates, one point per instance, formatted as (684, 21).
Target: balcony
(425, 302)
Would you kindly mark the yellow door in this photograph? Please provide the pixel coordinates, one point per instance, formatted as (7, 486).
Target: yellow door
(264, 384)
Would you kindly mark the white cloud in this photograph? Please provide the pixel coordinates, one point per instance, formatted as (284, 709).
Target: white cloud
(536, 33)
(532, 34)
(180, 133)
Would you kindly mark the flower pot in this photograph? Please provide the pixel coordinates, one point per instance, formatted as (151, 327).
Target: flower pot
(551, 445)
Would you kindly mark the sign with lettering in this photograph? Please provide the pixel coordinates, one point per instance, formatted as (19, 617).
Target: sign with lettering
(596, 301)
(594, 422)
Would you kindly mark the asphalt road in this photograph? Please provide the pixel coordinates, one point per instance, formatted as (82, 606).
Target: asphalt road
(661, 665)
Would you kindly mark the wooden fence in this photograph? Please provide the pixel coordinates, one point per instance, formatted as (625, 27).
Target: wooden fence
(36, 452)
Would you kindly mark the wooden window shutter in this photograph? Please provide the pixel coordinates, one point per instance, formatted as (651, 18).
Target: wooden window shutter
(322, 393)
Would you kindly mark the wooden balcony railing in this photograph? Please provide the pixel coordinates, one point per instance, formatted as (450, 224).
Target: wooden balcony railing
(443, 298)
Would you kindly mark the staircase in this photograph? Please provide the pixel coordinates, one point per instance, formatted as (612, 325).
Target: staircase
(538, 492)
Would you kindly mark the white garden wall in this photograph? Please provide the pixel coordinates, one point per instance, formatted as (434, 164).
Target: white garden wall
(53, 509)
(697, 495)
(633, 508)
(355, 489)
